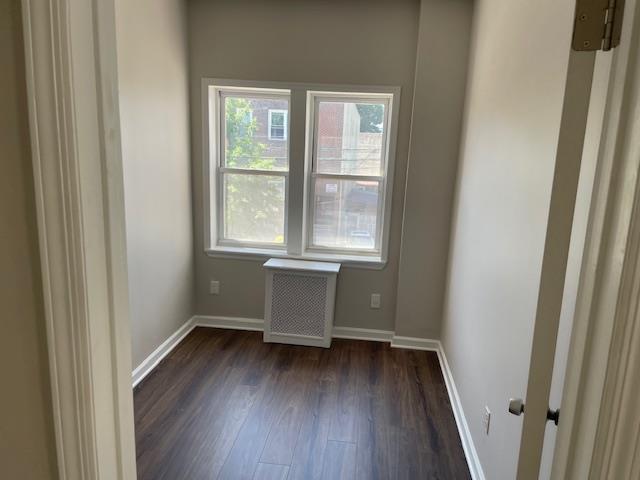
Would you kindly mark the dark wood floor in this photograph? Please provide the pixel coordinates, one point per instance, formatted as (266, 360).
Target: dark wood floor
(225, 405)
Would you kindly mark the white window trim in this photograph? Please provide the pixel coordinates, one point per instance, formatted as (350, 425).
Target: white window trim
(297, 192)
(285, 113)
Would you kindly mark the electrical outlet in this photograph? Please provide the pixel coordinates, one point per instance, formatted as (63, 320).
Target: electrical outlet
(486, 419)
(214, 287)
(375, 300)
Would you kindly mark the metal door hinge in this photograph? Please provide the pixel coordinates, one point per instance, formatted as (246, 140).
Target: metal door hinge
(597, 25)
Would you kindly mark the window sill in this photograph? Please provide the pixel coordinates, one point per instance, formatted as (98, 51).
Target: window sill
(258, 254)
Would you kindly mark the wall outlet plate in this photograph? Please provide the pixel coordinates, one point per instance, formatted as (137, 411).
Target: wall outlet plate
(375, 300)
(486, 420)
(214, 287)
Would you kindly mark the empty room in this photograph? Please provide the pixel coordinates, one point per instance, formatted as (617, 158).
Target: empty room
(316, 239)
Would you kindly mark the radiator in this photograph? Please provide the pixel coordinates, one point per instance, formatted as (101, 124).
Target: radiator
(299, 302)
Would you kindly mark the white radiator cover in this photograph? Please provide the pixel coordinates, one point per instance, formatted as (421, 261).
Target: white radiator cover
(300, 302)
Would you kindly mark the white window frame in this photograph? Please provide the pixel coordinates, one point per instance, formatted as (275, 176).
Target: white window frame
(300, 129)
(285, 114)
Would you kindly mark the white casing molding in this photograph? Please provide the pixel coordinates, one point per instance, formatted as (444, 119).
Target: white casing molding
(598, 430)
(74, 126)
(257, 325)
(616, 442)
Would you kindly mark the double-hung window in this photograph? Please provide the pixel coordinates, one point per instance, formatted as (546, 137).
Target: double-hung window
(278, 124)
(318, 188)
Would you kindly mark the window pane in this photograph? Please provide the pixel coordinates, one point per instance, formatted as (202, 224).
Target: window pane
(277, 119)
(349, 138)
(277, 122)
(247, 140)
(254, 208)
(277, 133)
(345, 213)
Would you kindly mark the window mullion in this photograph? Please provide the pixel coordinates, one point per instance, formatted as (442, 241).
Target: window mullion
(295, 185)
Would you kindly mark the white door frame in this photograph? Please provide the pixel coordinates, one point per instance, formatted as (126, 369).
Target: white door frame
(598, 430)
(75, 139)
(569, 152)
(74, 121)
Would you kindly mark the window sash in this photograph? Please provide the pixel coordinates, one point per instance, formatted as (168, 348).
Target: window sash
(252, 93)
(319, 97)
(311, 214)
(220, 214)
(221, 169)
(312, 175)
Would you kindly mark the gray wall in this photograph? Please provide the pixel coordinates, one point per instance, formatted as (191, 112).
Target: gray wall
(512, 116)
(27, 446)
(153, 85)
(323, 42)
(441, 78)
(304, 41)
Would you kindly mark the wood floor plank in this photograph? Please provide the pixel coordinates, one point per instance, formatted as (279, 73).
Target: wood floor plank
(368, 364)
(270, 471)
(185, 450)
(339, 461)
(343, 423)
(283, 436)
(245, 454)
(209, 456)
(159, 433)
(225, 405)
(308, 458)
(160, 390)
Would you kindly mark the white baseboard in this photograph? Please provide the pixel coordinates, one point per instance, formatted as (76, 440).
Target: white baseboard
(257, 324)
(415, 343)
(470, 452)
(233, 323)
(162, 351)
(362, 334)
(396, 341)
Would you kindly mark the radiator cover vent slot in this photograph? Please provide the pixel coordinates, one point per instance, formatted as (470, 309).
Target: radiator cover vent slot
(299, 302)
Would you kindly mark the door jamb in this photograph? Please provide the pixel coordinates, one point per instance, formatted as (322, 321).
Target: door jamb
(70, 53)
(596, 435)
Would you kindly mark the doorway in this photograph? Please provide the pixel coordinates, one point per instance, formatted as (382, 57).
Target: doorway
(83, 238)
